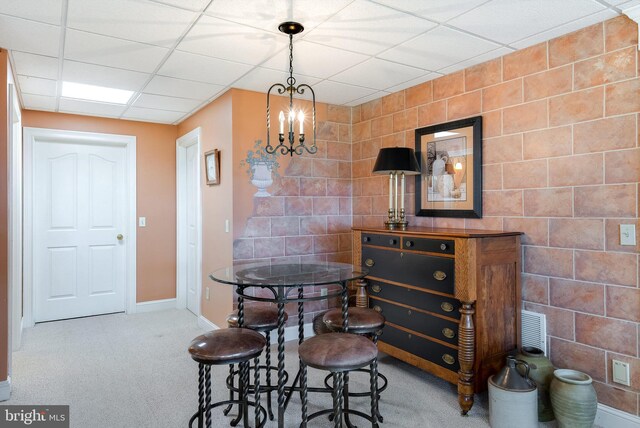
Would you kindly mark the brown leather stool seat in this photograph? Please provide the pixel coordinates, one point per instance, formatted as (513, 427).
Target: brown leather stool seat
(228, 346)
(259, 318)
(337, 352)
(361, 320)
(319, 327)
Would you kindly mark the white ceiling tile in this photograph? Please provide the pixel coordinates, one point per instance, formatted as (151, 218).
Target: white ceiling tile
(29, 36)
(184, 65)
(339, 93)
(413, 82)
(135, 20)
(99, 75)
(161, 85)
(151, 115)
(565, 29)
(194, 5)
(49, 11)
(368, 98)
(623, 4)
(89, 108)
(368, 28)
(438, 48)
(260, 80)
(268, 14)
(476, 60)
(37, 86)
(38, 102)
(223, 39)
(506, 21)
(166, 103)
(35, 65)
(312, 59)
(435, 10)
(378, 74)
(112, 52)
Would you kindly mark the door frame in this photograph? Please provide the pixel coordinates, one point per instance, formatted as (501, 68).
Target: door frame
(189, 139)
(15, 222)
(31, 136)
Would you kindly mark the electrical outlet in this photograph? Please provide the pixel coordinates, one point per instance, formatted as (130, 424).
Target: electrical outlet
(142, 222)
(206, 293)
(627, 234)
(621, 372)
(323, 292)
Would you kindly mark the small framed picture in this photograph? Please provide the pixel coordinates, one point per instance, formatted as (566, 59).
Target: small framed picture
(212, 167)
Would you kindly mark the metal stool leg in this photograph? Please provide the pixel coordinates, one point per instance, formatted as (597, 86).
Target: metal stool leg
(256, 392)
(303, 393)
(231, 394)
(268, 364)
(337, 400)
(374, 378)
(200, 395)
(207, 375)
(375, 414)
(245, 393)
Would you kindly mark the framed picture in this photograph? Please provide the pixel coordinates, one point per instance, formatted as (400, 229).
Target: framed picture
(212, 166)
(450, 157)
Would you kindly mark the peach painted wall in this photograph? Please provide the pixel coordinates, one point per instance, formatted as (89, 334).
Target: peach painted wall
(215, 121)
(4, 218)
(156, 189)
(562, 164)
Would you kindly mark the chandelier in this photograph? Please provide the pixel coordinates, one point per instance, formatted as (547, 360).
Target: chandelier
(290, 145)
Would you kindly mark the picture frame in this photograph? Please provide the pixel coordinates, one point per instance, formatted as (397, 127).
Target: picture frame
(212, 167)
(450, 158)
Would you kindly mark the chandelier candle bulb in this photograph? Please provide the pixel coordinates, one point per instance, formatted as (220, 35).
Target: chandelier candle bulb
(301, 120)
(281, 118)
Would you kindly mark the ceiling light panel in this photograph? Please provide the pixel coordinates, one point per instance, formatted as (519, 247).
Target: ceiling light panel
(519, 19)
(83, 91)
(169, 86)
(37, 86)
(184, 65)
(435, 10)
(222, 39)
(445, 47)
(100, 75)
(112, 52)
(49, 12)
(368, 28)
(29, 36)
(378, 74)
(134, 20)
(45, 67)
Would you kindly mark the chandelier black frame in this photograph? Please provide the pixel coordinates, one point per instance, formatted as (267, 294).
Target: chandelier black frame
(291, 147)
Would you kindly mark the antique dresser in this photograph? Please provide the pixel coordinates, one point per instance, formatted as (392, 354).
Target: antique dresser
(451, 298)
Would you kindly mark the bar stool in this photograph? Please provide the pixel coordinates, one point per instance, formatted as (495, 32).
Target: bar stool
(229, 346)
(263, 319)
(366, 322)
(319, 327)
(337, 353)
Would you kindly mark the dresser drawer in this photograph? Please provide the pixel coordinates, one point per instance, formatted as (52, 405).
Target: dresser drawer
(429, 325)
(390, 241)
(442, 246)
(436, 353)
(430, 272)
(446, 306)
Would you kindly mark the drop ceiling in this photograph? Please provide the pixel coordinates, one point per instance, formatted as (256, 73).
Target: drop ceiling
(179, 55)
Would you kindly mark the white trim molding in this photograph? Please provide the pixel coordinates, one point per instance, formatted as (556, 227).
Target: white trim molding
(5, 389)
(608, 417)
(633, 13)
(205, 324)
(155, 305)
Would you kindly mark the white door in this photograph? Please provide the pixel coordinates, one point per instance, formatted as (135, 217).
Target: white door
(79, 221)
(191, 218)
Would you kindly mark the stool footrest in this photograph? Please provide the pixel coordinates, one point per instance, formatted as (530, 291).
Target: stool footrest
(261, 422)
(328, 378)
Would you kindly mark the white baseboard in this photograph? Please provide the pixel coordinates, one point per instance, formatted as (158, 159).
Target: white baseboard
(155, 305)
(206, 324)
(5, 389)
(608, 417)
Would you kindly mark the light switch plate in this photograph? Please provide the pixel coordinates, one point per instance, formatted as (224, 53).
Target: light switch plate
(621, 372)
(627, 234)
(142, 222)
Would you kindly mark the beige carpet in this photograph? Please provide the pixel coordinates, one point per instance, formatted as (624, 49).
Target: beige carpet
(124, 371)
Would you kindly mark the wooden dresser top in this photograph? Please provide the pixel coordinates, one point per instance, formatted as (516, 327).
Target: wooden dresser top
(440, 231)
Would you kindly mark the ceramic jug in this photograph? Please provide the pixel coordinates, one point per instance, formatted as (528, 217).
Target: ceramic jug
(541, 372)
(574, 399)
(513, 397)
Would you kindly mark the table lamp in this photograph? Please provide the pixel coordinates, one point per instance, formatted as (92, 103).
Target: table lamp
(396, 161)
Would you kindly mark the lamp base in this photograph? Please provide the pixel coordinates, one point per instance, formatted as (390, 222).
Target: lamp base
(396, 225)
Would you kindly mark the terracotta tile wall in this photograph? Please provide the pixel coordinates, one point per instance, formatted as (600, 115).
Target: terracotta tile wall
(562, 164)
(308, 216)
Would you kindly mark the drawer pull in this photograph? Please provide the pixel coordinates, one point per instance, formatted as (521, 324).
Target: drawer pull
(392, 242)
(377, 308)
(443, 247)
(409, 336)
(366, 239)
(369, 262)
(447, 358)
(376, 288)
(448, 333)
(408, 244)
(446, 306)
(439, 275)
(409, 312)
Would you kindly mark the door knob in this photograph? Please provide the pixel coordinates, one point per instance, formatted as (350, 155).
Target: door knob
(119, 237)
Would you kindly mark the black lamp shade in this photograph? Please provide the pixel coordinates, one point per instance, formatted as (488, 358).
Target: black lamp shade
(396, 159)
